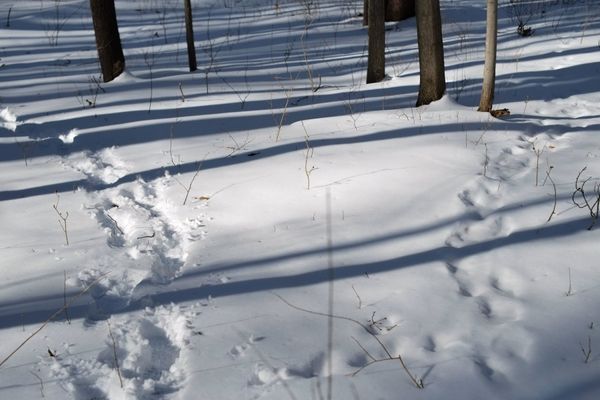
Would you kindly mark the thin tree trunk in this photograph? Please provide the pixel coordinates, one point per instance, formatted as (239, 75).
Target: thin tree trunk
(189, 35)
(489, 68)
(376, 58)
(432, 84)
(108, 41)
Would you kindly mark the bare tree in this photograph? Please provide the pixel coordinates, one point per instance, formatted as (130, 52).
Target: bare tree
(399, 10)
(489, 69)
(189, 35)
(395, 10)
(376, 57)
(108, 41)
(432, 84)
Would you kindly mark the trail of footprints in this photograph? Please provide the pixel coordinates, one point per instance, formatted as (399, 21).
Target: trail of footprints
(149, 241)
(491, 292)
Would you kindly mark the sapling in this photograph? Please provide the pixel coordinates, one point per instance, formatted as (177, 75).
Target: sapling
(62, 219)
(548, 177)
(586, 351)
(8, 17)
(309, 153)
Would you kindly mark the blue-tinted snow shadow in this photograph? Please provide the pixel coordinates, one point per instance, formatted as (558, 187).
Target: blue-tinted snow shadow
(319, 274)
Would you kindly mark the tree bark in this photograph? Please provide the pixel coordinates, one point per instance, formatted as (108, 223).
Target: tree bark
(189, 35)
(376, 58)
(395, 10)
(489, 68)
(432, 84)
(399, 10)
(108, 41)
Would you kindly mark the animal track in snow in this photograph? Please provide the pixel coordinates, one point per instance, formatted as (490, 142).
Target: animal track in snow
(141, 220)
(150, 351)
(100, 167)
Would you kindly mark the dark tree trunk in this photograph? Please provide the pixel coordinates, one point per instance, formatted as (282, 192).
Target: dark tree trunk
(395, 10)
(376, 60)
(432, 84)
(189, 35)
(108, 41)
(399, 10)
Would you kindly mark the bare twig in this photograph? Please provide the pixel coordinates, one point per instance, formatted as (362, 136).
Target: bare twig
(593, 204)
(65, 298)
(181, 91)
(8, 22)
(309, 153)
(57, 313)
(62, 219)
(41, 383)
(569, 292)
(553, 212)
(587, 352)
(358, 297)
(114, 221)
(417, 382)
(363, 349)
(116, 359)
(331, 279)
(288, 94)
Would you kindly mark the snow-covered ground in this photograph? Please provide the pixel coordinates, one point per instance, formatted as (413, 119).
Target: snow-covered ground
(210, 215)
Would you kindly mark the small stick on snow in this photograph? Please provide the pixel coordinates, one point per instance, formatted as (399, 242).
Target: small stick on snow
(114, 346)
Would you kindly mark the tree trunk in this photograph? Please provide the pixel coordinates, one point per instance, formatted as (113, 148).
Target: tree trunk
(395, 10)
(489, 69)
(376, 59)
(189, 35)
(399, 10)
(108, 41)
(432, 84)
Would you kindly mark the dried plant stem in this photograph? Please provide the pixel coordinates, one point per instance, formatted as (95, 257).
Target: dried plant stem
(309, 154)
(417, 382)
(65, 298)
(116, 359)
(587, 352)
(553, 212)
(62, 219)
(57, 313)
(41, 383)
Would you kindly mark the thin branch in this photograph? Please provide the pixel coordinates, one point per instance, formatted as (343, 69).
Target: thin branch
(58, 312)
(114, 347)
(417, 382)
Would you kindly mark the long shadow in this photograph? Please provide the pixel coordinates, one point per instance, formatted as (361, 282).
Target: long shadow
(316, 276)
(470, 215)
(162, 120)
(242, 157)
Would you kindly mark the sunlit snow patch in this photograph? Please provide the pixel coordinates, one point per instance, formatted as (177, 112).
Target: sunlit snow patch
(8, 119)
(69, 137)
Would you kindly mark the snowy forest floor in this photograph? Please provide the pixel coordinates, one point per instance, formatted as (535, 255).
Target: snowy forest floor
(210, 215)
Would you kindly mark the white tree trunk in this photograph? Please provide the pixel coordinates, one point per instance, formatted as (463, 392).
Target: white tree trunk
(489, 69)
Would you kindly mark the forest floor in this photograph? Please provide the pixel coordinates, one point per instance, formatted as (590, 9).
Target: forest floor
(185, 235)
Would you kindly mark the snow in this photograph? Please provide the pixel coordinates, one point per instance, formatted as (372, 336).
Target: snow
(198, 205)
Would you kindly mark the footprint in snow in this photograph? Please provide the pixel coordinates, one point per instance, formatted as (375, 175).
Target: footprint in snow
(104, 166)
(150, 351)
